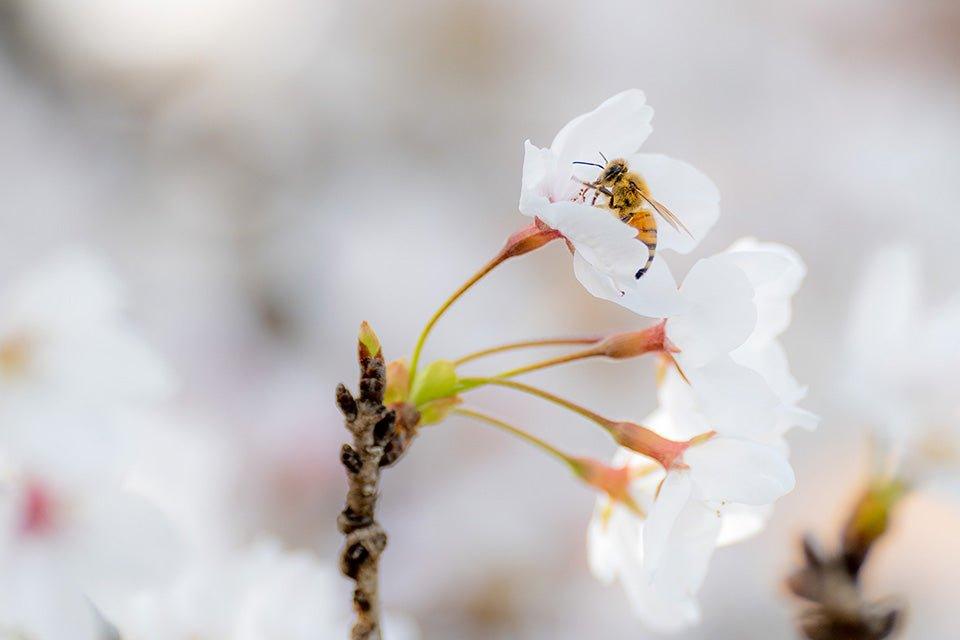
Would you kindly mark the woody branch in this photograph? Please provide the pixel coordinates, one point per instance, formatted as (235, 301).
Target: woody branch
(378, 441)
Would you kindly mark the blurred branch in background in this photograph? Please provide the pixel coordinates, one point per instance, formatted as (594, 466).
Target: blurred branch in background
(832, 584)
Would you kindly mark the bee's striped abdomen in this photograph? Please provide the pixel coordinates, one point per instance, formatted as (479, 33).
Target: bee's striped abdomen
(646, 226)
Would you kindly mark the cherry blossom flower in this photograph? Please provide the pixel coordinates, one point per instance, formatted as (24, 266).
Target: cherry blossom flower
(257, 592)
(71, 535)
(659, 544)
(607, 253)
(733, 406)
(73, 378)
(902, 360)
(63, 337)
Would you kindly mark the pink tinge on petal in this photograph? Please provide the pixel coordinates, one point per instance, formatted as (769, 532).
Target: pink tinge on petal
(38, 510)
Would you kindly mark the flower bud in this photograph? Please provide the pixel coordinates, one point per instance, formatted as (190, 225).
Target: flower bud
(631, 344)
(613, 481)
(528, 239)
(398, 382)
(649, 443)
(368, 343)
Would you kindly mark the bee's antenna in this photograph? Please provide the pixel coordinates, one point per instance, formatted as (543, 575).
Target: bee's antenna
(589, 164)
(603, 156)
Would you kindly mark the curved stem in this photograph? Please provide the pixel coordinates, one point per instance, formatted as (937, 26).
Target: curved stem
(528, 239)
(474, 279)
(606, 423)
(552, 362)
(633, 436)
(520, 433)
(523, 344)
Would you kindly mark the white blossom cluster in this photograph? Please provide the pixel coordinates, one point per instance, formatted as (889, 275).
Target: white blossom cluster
(735, 398)
(111, 511)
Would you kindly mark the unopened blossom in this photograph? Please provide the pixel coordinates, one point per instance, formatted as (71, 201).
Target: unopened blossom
(64, 338)
(901, 367)
(607, 252)
(716, 493)
(261, 591)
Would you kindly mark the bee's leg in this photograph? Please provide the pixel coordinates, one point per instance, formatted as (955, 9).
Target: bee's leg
(651, 252)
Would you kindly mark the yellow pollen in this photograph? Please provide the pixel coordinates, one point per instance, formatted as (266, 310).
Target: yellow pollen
(606, 513)
(14, 355)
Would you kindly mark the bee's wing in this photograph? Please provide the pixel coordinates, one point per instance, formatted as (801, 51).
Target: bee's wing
(667, 215)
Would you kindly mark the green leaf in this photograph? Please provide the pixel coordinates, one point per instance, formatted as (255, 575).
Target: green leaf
(438, 380)
(368, 340)
(436, 410)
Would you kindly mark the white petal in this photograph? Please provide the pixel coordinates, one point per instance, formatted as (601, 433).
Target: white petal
(734, 399)
(679, 416)
(616, 128)
(937, 348)
(791, 417)
(613, 542)
(889, 290)
(105, 363)
(776, 272)
(675, 492)
(594, 280)
(685, 191)
(605, 242)
(40, 602)
(739, 522)
(73, 288)
(109, 550)
(660, 612)
(718, 311)
(734, 470)
(688, 550)
(654, 295)
(880, 351)
(770, 264)
(535, 189)
(770, 361)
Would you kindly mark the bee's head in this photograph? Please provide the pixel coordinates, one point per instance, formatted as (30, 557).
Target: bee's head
(610, 171)
(613, 170)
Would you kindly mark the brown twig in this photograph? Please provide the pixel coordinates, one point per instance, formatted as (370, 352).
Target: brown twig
(831, 584)
(380, 436)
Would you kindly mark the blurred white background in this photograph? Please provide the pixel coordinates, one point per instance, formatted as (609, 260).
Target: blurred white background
(265, 175)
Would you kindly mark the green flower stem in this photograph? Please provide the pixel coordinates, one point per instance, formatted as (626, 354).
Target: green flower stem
(606, 423)
(474, 279)
(583, 354)
(524, 241)
(524, 344)
(627, 434)
(573, 463)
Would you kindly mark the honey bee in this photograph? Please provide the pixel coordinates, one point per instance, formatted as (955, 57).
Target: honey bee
(627, 195)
